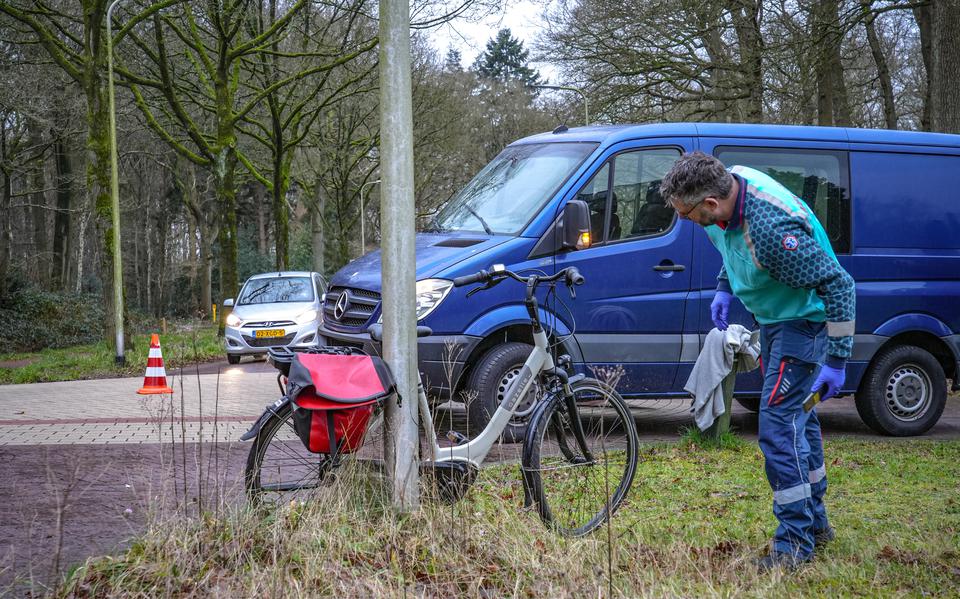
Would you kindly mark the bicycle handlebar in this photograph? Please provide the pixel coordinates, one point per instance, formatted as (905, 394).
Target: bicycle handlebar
(470, 279)
(571, 276)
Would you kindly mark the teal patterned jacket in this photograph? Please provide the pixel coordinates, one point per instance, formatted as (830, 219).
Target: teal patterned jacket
(778, 261)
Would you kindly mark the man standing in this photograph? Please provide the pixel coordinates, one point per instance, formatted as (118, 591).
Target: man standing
(778, 261)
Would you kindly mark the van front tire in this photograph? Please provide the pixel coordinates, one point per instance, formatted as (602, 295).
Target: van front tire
(486, 387)
(233, 358)
(903, 392)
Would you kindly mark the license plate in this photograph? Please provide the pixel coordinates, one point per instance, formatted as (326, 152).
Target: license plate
(268, 333)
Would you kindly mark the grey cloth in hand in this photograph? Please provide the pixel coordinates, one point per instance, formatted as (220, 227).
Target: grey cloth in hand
(714, 363)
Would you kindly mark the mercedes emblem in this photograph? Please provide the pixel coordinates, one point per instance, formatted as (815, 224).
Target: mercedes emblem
(342, 305)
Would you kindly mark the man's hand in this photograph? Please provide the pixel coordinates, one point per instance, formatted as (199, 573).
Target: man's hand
(831, 379)
(720, 309)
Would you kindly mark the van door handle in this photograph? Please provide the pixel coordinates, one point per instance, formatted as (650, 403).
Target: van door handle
(670, 267)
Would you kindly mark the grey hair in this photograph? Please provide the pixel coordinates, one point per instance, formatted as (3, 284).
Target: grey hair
(693, 177)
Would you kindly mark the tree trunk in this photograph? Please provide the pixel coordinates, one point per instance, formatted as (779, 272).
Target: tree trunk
(159, 254)
(832, 107)
(39, 217)
(316, 230)
(883, 71)
(206, 270)
(261, 227)
(718, 78)
(193, 262)
(281, 219)
(924, 17)
(224, 173)
(945, 83)
(61, 219)
(5, 228)
(81, 248)
(746, 17)
(98, 150)
(227, 196)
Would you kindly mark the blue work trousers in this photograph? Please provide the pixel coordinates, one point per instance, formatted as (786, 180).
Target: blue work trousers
(791, 353)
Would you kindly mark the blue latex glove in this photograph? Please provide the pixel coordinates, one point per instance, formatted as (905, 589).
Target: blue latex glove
(832, 378)
(720, 309)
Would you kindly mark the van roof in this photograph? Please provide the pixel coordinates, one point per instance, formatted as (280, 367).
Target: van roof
(610, 134)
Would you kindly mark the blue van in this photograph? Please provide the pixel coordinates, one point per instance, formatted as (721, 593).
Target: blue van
(889, 200)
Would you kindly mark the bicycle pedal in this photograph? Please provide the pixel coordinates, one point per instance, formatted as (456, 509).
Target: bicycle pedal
(456, 437)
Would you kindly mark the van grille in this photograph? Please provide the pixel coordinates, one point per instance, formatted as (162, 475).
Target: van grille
(354, 311)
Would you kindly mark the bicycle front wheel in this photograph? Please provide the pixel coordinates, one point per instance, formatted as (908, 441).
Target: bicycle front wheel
(579, 481)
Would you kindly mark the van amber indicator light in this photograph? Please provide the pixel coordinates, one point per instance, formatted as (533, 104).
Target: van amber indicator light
(584, 241)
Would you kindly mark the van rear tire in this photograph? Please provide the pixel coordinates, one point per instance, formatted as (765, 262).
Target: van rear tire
(903, 392)
(750, 403)
(487, 383)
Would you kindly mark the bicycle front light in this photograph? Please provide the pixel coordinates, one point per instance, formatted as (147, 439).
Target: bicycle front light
(430, 292)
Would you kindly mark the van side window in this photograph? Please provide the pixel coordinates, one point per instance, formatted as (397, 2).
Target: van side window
(818, 177)
(637, 208)
(594, 193)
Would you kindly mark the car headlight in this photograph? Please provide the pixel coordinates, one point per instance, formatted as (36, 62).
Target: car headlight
(233, 320)
(308, 316)
(430, 292)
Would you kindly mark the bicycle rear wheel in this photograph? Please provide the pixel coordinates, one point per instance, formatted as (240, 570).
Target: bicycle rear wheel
(576, 491)
(280, 469)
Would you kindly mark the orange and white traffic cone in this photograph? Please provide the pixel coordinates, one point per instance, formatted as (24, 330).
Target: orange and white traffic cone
(155, 380)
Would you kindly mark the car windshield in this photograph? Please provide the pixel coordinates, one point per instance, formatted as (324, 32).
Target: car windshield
(276, 290)
(509, 191)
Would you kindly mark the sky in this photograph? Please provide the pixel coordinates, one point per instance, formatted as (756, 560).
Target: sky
(523, 18)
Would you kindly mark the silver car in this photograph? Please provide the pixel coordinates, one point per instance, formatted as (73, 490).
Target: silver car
(277, 308)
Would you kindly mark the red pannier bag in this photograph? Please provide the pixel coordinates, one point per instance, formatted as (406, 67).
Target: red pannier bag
(333, 397)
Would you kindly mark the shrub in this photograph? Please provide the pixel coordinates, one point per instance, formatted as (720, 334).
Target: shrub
(34, 320)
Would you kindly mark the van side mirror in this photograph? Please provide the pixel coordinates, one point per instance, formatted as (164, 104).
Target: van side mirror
(575, 225)
(228, 303)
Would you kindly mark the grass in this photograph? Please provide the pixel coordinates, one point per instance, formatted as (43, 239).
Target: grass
(692, 524)
(183, 344)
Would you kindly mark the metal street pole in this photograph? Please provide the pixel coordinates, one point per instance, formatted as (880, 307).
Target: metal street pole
(115, 197)
(363, 242)
(398, 260)
(586, 102)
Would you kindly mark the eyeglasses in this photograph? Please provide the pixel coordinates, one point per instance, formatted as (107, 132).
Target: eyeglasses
(686, 214)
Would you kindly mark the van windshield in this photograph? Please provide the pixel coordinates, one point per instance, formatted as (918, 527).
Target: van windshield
(276, 290)
(509, 191)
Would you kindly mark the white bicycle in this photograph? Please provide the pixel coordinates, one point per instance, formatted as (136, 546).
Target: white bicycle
(579, 452)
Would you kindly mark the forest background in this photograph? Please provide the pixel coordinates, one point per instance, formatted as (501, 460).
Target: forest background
(248, 130)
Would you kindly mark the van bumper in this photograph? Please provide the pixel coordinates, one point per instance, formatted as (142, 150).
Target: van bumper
(442, 358)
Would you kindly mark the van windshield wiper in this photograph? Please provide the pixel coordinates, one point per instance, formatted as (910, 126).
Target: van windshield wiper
(434, 224)
(486, 227)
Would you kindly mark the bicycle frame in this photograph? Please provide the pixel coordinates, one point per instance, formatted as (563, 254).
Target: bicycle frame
(475, 451)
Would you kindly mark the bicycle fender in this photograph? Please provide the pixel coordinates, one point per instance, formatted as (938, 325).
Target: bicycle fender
(267, 413)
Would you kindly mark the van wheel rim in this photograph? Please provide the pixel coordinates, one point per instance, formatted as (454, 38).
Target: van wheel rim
(526, 404)
(908, 392)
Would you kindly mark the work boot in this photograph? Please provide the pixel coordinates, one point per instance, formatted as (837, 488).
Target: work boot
(822, 537)
(785, 562)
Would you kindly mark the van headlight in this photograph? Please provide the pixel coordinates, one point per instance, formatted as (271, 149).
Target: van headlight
(430, 292)
(306, 317)
(233, 320)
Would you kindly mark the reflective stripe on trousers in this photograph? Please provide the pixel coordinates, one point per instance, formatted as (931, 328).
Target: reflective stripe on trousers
(789, 437)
